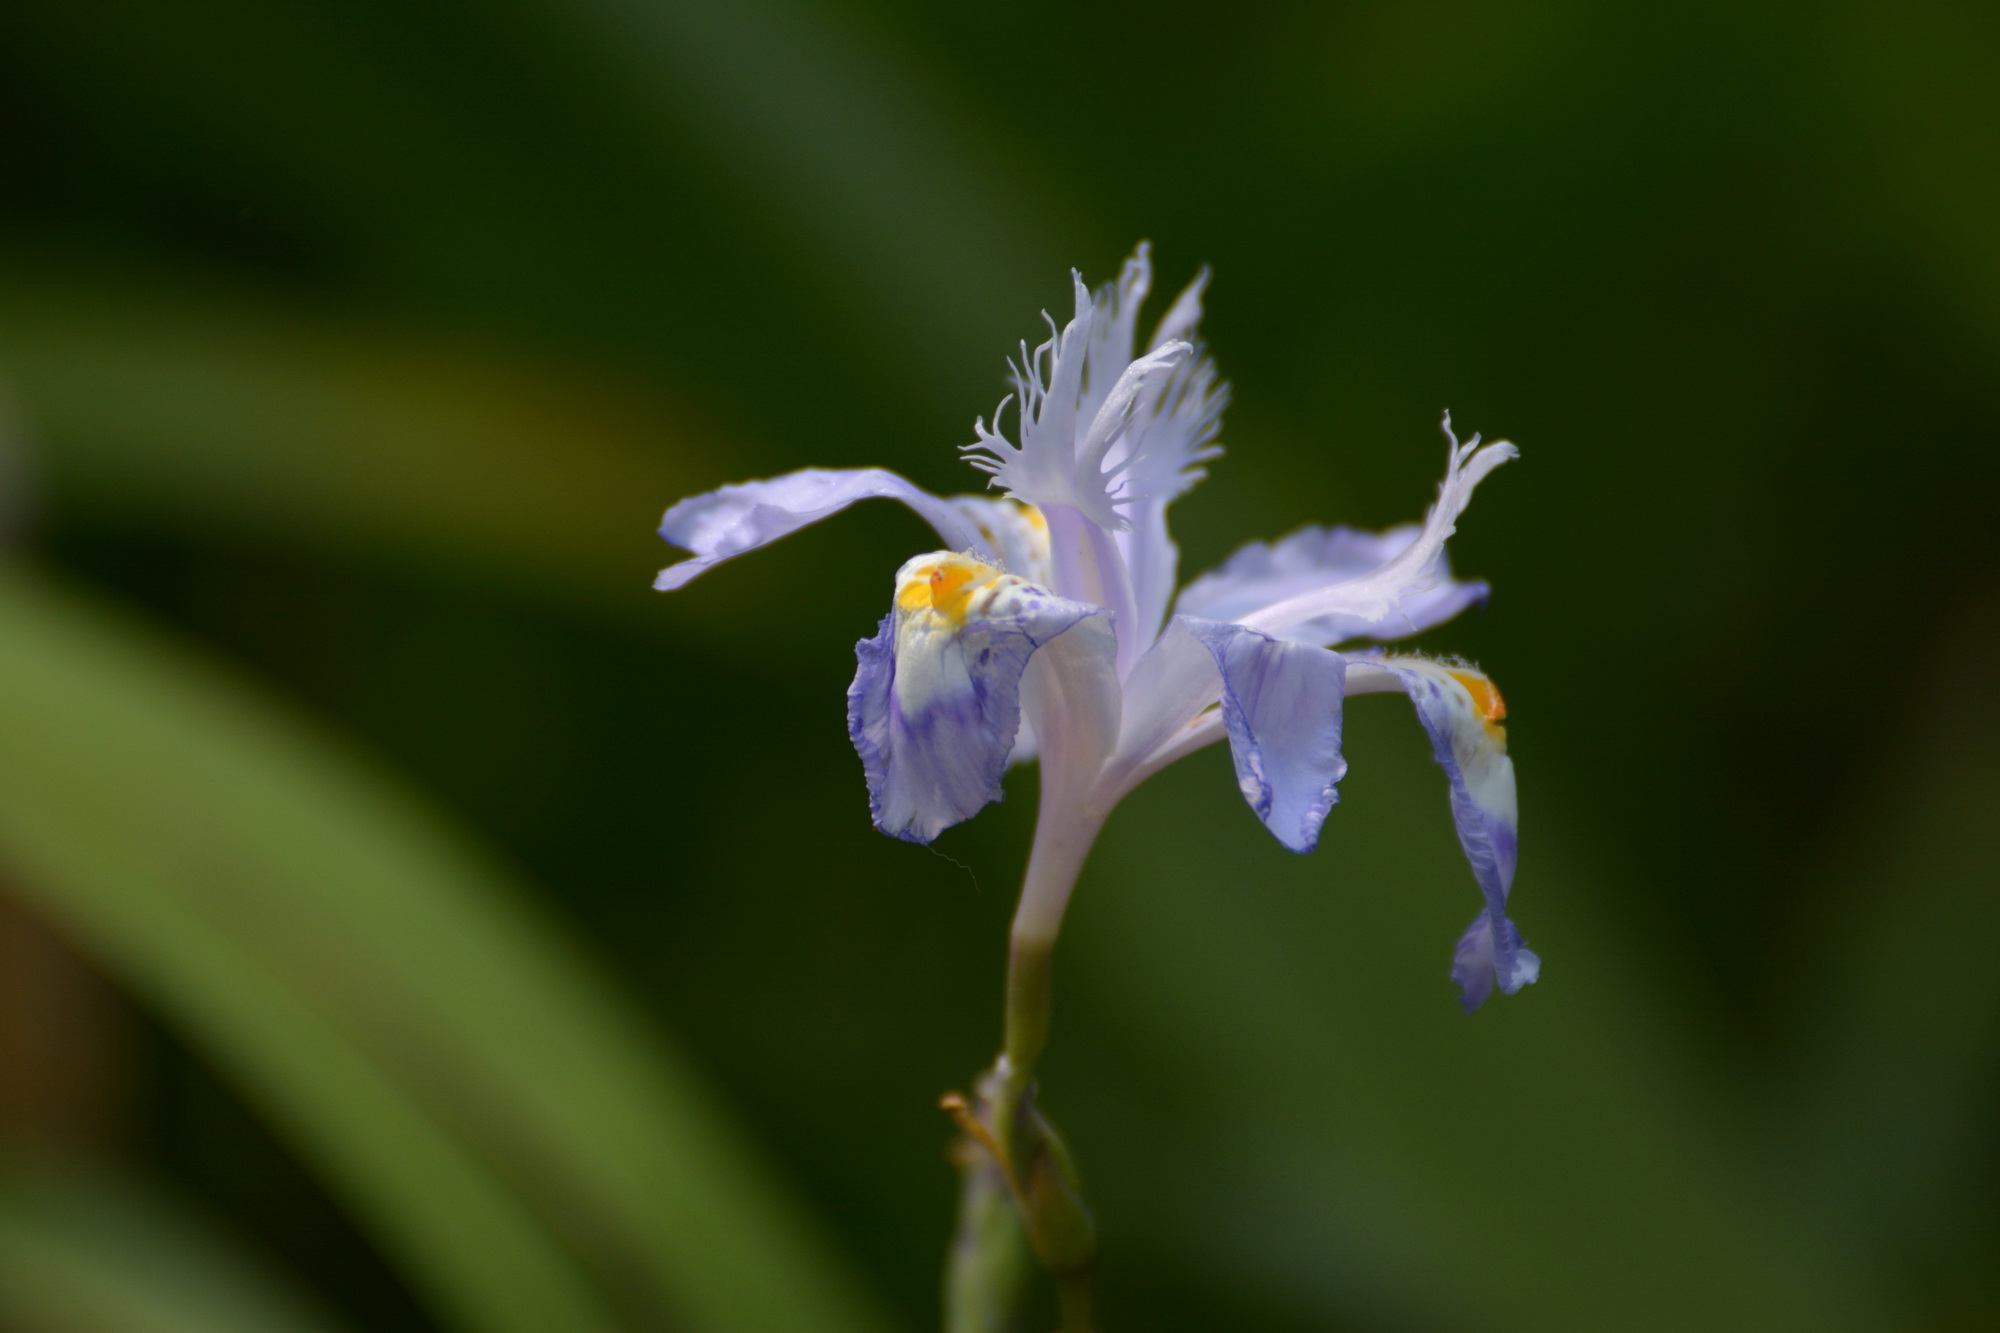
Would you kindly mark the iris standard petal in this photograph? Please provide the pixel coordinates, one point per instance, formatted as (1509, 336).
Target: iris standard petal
(935, 705)
(1114, 319)
(1048, 398)
(1183, 317)
(1461, 710)
(1262, 573)
(1281, 704)
(742, 517)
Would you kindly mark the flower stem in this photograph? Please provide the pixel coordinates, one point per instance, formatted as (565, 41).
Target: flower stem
(989, 1254)
(1030, 1173)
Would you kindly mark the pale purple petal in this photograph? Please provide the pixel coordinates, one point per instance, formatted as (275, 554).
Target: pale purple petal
(1376, 596)
(1048, 395)
(1169, 690)
(1127, 432)
(742, 517)
(1100, 431)
(1262, 573)
(1152, 560)
(1116, 313)
(935, 706)
(1472, 749)
(1164, 449)
(1183, 317)
(1281, 703)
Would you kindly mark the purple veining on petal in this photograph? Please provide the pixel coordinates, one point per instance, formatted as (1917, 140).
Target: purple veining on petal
(935, 764)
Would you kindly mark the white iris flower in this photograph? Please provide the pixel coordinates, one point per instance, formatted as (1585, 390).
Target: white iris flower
(1048, 627)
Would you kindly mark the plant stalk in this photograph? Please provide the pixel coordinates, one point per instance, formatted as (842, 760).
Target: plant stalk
(1016, 1164)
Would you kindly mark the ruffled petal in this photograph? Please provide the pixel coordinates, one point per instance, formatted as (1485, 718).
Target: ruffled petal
(1183, 317)
(1281, 704)
(742, 517)
(1101, 430)
(1461, 710)
(935, 705)
(1263, 573)
(1048, 396)
(1377, 596)
(1114, 318)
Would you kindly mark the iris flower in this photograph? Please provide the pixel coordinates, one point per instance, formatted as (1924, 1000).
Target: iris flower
(1047, 626)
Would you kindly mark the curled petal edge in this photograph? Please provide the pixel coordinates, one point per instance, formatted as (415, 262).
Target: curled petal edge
(733, 519)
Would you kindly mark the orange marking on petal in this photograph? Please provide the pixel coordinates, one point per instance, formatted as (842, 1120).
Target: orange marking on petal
(1485, 694)
(946, 585)
(915, 592)
(952, 585)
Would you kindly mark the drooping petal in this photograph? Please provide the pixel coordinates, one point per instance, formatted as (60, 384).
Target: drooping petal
(742, 517)
(1262, 573)
(1377, 597)
(935, 705)
(1461, 710)
(1281, 704)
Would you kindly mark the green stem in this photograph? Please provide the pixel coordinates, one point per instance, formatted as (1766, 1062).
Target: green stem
(989, 1253)
(1063, 836)
(984, 1272)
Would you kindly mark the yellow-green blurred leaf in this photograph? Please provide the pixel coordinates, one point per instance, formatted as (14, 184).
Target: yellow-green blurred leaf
(89, 1254)
(180, 407)
(536, 1157)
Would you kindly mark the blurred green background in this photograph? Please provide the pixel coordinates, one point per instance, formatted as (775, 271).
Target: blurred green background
(412, 922)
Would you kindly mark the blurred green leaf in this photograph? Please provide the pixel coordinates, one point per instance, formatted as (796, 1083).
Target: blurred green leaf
(536, 1158)
(91, 1254)
(164, 406)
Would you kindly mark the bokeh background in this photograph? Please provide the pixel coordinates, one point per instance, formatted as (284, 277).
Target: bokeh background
(412, 922)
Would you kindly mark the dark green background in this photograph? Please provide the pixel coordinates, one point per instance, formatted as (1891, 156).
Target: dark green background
(362, 343)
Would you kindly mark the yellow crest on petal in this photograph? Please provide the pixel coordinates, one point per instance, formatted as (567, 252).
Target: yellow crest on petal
(1486, 701)
(948, 585)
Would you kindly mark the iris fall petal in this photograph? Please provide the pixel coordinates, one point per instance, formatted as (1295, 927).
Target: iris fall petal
(935, 705)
